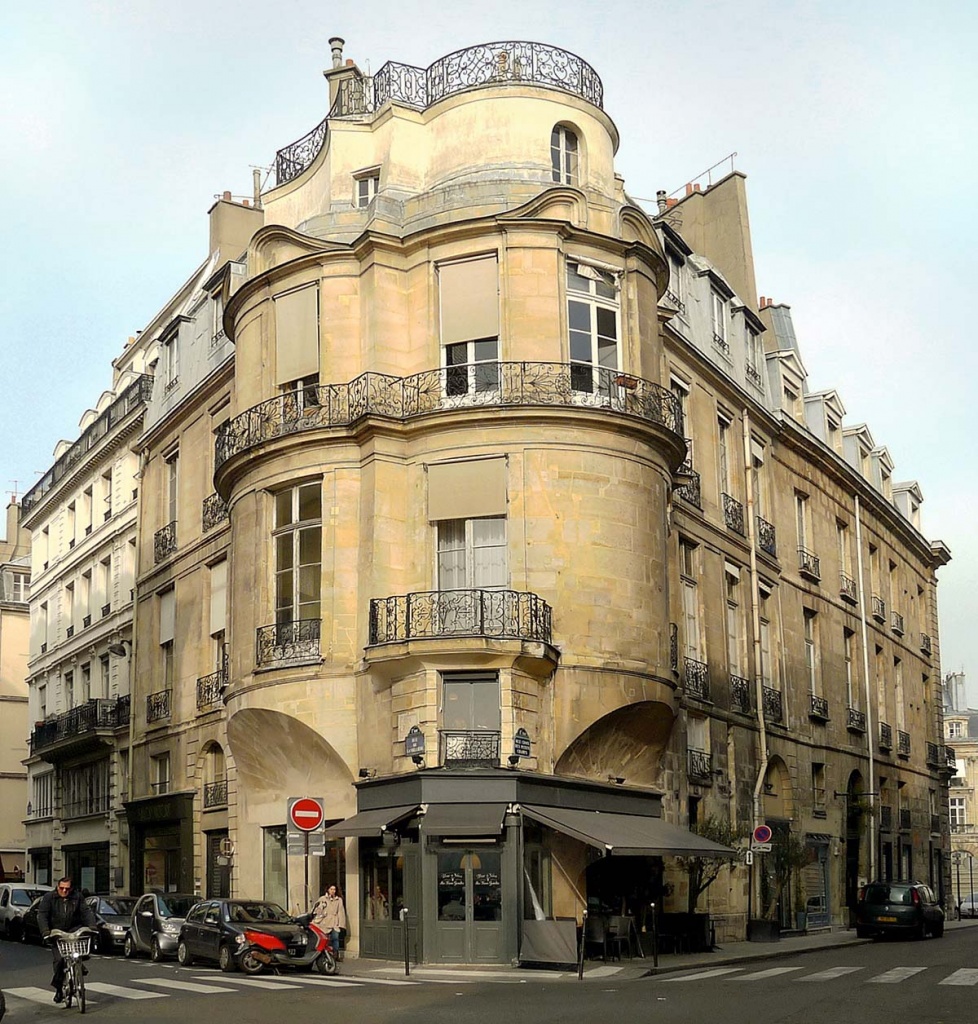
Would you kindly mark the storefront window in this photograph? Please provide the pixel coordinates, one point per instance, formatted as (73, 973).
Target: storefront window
(275, 864)
(538, 894)
(382, 878)
(469, 877)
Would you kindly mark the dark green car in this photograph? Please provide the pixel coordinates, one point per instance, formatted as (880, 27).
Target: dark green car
(899, 908)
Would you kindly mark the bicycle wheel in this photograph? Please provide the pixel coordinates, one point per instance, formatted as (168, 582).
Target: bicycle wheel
(80, 984)
(68, 984)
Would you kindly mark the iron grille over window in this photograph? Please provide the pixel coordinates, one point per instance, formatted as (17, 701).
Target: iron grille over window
(165, 542)
(286, 642)
(903, 743)
(808, 564)
(766, 537)
(886, 736)
(733, 514)
(215, 794)
(847, 588)
(773, 705)
(697, 674)
(213, 512)
(856, 720)
(210, 689)
(158, 706)
(470, 748)
(700, 766)
(819, 708)
(740, 694)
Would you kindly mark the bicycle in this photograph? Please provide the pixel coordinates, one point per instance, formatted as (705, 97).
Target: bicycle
(74, 947)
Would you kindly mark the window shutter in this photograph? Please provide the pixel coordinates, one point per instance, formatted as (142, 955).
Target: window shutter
(469, 294)
(219, 580)
(297, 334)
(467, 490)
(167, 615)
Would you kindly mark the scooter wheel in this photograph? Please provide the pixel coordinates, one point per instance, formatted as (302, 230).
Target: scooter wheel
(326, 963)
(250, 964)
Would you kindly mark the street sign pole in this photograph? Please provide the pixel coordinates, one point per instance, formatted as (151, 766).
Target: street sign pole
(305, 837)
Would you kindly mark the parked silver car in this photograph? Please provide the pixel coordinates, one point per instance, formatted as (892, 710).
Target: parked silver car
(15, 899)
(968, 907)
(156, 921)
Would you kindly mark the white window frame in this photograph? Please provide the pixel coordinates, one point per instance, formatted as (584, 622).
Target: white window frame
(565, 155)
(690, 600)
(367, 186)
(810, 618)
(847, 638)
(587, 293)
(473, 554)
(718, 320)
(294, 530)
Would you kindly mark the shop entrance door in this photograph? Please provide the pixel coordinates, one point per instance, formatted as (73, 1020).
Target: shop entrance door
(470, 908)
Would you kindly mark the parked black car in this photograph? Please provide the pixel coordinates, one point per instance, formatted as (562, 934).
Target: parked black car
(113, 915)
(907, 908)
(156, 922)
(30, 932)
(216, 930)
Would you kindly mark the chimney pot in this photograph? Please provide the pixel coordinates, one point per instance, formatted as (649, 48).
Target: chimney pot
(762, 302)
(689, 188)
(245, 202)
(336, 50)
(227, 196)
(349, 62)
(661, 201)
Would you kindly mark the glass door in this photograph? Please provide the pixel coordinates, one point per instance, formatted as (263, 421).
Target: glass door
(470, 913)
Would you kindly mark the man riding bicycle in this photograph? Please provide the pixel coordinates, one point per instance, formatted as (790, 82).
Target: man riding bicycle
(67, 910)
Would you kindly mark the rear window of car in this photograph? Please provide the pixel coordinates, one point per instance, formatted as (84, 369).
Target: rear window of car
(877, 895)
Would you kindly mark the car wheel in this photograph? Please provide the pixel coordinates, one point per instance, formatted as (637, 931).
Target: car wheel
(862, 932)
(155, 953)
(184, 959)
(129, 948)
(225, 959)
(250, 964)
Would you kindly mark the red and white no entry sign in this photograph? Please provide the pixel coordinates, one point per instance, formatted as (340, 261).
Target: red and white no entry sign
(306, 813)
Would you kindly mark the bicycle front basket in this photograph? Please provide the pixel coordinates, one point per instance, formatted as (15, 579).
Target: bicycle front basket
(80, 947)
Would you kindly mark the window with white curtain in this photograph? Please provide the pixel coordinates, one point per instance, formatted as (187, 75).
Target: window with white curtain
(472, 554)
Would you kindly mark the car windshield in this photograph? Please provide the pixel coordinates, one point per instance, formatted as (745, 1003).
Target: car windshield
(116, 905)
(175, 906)
(24, 897)
(245, 913)
(877, 895)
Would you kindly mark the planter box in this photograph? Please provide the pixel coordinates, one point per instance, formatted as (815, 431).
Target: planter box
(763, 931)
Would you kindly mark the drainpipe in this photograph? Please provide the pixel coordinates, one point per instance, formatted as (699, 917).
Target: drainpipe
(756, 627)
(870, 733)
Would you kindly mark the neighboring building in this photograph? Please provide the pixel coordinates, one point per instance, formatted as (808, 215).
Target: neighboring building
(15, 585)
(961, 733)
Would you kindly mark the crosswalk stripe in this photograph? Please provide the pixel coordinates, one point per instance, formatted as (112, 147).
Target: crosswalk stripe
(713, 973)
(33, 993)
(253, 982)
(771, 972)
(183, 986)
(962, 976)
(322, 980)
(119, 991)
(896, 975)
(832, 972)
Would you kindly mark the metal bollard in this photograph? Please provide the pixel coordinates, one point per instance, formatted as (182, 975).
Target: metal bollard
(655, 937)
(580, 951)
(404, 933)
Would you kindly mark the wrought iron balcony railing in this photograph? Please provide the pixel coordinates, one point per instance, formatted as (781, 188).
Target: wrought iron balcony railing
(210, 690)
(469, 748)
(215, 794)
(136, 395)
(158, 706)
(733, 514)
(508, 614)
(697, 676)
(700, 766)
(886, 817)
(952, 757)
(855, 720)
(903, 743)
(905, 819)
(896, 623)
(213, 512)
(847, 588)
(773, 705)
(932, 755)
(740, 694)
(106, 608)
(675, 300)
(285, 643)
(809, 565)
(766, 537)
(962, 826)
(674, 647)
(878, 608)
(69, 632)
(476, 385)
(690, 490)
(753, 375)
(886, 737)
(101, 713)
(720, 343)
(164, 542)
(925, 644)
(86, 621)
(818, 707)
(475, 67)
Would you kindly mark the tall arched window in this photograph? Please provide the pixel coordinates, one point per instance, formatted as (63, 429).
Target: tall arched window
(563, 154)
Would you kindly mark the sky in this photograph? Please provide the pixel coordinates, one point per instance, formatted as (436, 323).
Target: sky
(855, 124)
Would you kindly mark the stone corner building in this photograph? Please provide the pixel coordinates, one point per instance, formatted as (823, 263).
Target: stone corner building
(502, 519)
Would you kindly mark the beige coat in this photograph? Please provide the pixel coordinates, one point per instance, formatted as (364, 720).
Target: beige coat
(329, 913)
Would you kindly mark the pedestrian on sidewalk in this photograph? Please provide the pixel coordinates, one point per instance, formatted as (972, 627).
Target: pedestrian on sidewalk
(329, 914)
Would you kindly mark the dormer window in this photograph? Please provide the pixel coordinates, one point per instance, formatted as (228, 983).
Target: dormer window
(718, 313)
(367, 186)
(563, 155)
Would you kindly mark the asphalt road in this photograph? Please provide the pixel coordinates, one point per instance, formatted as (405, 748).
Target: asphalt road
(932, 982)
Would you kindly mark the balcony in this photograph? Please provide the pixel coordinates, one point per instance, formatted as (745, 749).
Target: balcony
(733, 514)
(855, 720)
(952, 758)
(158, 706)
(886, 737)
(818, 708)
(470, 748)
(458, 388)
(213, 512)
(697, 676)
(210, 690)
(740, 695)
(676, 301)
(754, 375)
(903, 744)
(896, 623)
(81, 730)
(925, 645)
(488, 65)
(506, 614)
(766, 537)
(700, 767)
(164, 542)
(288, 643)
(690, 490)
(215, 794)
(933, 755)
(773, 705)
(886, 817)
(847, 588)
(674, 647)
(959, 827)
(808, 565)
(878, 609)
(721, 344)
(905, 819)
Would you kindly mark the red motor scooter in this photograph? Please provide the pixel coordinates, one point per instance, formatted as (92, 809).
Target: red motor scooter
(264, 950)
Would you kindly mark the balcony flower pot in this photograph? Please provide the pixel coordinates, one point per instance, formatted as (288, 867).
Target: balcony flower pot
(763, 931)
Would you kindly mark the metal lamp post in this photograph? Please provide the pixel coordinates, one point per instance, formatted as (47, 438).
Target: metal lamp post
(956, 857)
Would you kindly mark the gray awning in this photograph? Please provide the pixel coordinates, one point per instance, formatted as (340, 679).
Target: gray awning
(369, 823)
(464, 819)
(627, 835)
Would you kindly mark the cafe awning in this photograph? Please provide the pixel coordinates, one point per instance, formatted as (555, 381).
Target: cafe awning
(464, 819)
(627, 835)
(370, 823)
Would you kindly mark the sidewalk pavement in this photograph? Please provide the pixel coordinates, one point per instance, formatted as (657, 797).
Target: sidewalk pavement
(628, 969)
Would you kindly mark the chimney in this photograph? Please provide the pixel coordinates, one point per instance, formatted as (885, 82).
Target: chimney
(256, 187)
(661, 201)
(763, 302)
(689, 189)
(226, 197)
(336, 49)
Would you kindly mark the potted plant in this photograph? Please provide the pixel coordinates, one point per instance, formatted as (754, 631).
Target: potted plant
(702, 872)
